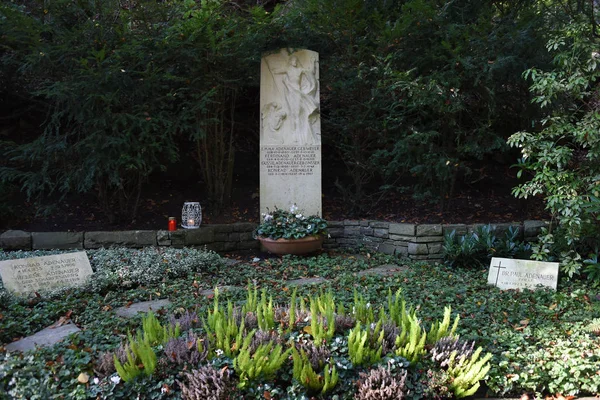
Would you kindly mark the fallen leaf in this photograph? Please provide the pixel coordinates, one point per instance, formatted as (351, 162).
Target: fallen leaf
(83, 378)
(307, 329)
(61, 321)
(553, 306)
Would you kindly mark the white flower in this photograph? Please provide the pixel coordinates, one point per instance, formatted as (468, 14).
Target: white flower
(115, 379)
(299, 216)
(219, 352)
(96, 381)
(268, 217)
(309, 227)
(163, 390)
(293, 209)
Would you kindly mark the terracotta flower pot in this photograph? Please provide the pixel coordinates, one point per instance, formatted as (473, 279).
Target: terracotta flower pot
(300, 246)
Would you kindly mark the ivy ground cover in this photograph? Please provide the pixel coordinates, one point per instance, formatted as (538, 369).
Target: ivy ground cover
(541, 342)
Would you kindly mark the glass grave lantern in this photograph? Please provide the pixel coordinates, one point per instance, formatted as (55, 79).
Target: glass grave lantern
(191, 215)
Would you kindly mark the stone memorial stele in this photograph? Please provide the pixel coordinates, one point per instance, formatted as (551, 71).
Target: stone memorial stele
(36, 274)
(507, 273)
(290, 131)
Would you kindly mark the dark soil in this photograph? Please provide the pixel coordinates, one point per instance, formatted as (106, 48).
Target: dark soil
(485, 198)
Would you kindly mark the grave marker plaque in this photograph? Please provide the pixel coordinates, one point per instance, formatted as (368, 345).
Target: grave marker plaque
(507, 273)
(35, 274)
(290, 132)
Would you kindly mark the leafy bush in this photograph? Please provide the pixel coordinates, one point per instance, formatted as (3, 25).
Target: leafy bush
(477, 248)
(417, 93)
(562, 152)
(127, 89)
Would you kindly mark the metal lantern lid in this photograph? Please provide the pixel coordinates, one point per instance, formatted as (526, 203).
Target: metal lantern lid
(191, 215)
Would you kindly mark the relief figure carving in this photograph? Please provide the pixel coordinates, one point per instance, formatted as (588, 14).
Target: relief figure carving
(299, 86)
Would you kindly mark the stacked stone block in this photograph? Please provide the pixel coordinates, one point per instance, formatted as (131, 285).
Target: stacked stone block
(416, 241)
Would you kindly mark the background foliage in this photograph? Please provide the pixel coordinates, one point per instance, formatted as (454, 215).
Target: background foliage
(414, 93)
(417, 95)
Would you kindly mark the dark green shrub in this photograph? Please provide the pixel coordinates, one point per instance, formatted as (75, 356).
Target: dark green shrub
(416, 92)
(561, 152)
(125, 89)
(475, 249)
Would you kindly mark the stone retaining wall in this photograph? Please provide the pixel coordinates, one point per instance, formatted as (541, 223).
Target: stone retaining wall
(417, 241)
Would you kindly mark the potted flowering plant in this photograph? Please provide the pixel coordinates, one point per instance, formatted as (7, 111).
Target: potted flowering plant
(290, 232)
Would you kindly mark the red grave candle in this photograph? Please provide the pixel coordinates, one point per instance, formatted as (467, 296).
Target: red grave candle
(172, 224)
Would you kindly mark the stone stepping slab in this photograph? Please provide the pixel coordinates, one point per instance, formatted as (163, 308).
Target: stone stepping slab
(305, 281)
(45, 338)
(143, 306)
(384, 270)
(230, 262)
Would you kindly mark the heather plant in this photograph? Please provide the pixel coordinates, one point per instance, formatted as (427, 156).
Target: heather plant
(316, 355)
(187, 349)
(105, 364)
(141, 359)
(140, 355)
(466, 372)
(263, 363)
(207, 383)
(261, 338)
(362, 310)
(381, 384)
(223, 328)
(305, 372)
(410, 343)
(154, 332)
(445, 347)
(365, 345)
(322, 317)
(439, 329)
(186, 321)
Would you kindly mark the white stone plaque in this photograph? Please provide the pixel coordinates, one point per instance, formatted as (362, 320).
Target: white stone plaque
(507, 273)
(290, 132)
(35, 274)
